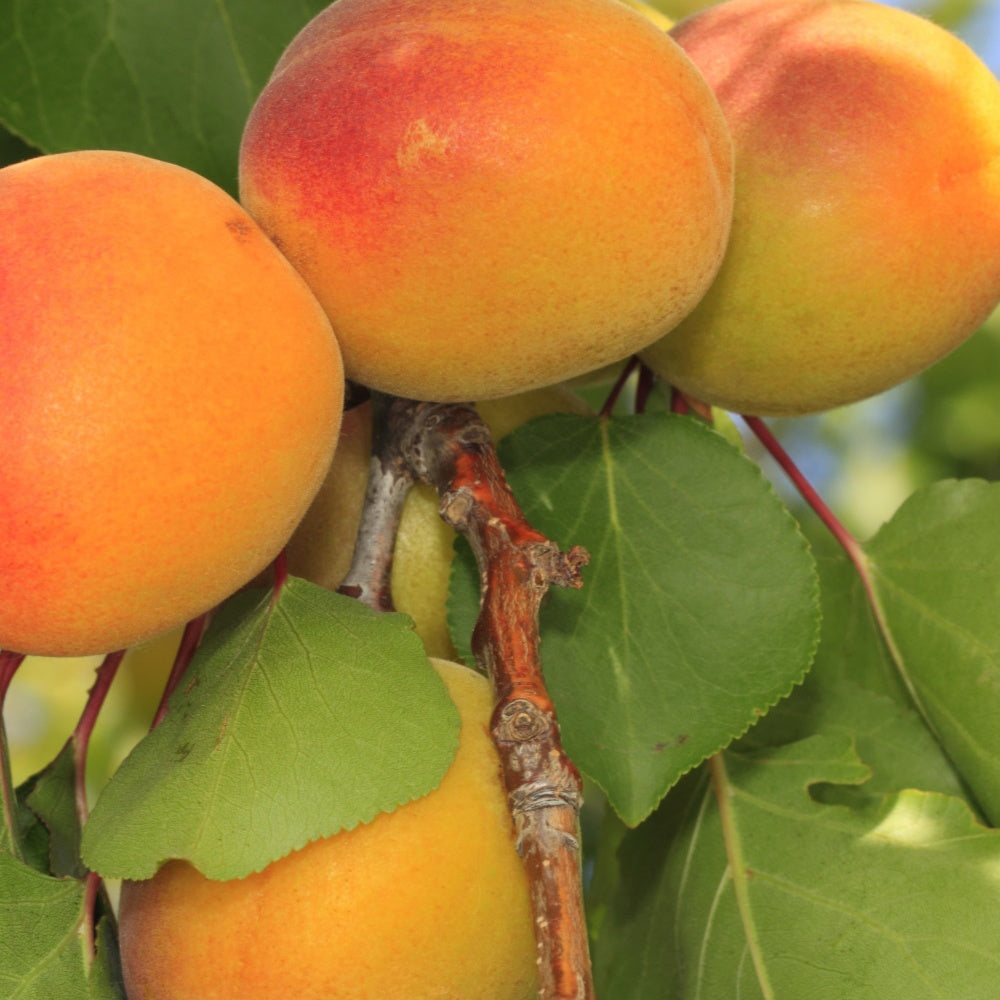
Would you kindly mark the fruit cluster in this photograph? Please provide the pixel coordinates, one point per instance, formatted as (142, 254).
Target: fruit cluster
(780, 206)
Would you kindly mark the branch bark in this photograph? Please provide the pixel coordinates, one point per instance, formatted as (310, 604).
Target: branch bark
(450, 447)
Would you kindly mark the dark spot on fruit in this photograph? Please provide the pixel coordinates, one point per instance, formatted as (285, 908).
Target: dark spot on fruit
(240, 228)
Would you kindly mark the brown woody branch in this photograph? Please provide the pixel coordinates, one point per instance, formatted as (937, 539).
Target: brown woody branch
(449, 447)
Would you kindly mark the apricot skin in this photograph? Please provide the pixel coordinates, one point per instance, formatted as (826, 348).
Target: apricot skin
(172, 394)
(489, 202)
(866, 231)
(430, 901)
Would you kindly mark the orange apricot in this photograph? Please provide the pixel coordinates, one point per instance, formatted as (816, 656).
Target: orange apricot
(487, 201)
(172, 393)
(429, 902)
(866, 231)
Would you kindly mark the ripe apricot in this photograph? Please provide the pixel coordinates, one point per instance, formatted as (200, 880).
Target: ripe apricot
(866, 229)
(172, 393)
(429, 901)
(490, 200)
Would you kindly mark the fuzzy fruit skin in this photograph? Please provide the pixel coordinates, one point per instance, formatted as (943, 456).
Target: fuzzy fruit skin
(172, 394)
(430, 901)
(490, 197)
(866, 229)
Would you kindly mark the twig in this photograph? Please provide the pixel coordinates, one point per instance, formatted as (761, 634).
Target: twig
(449, 447)
(80, 740)
(191, 638)
(389, 482)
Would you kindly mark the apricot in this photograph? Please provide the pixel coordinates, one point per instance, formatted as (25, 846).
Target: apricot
(429, 901)
(489, 201)
(866, 230)
(172, 393)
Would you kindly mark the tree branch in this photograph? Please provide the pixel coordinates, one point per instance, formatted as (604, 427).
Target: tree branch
(449, 447)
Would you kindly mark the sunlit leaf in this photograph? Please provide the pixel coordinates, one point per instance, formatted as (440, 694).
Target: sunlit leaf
(298, 718)
(699, 607)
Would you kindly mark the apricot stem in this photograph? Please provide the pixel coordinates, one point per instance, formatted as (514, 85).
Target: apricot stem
(80, 740)
(855, 553)
(449, 447)
(190, 640)
(616, 390)
(847, 541)
(85, 726)
(389, 482)
(9, 662)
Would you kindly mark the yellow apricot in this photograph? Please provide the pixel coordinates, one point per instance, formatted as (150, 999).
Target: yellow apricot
(429, 902)
(172, 393)
(487, 202)
(866, 229)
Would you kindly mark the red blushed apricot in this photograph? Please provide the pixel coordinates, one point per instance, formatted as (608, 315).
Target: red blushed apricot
(866, 228)
(488, 201)
(171, 398)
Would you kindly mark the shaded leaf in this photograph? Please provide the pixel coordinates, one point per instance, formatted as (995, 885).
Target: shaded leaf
(172, 80)
(13, 149)
(106, 973)
(50, 795)
(41, 956)
(935, 569)
(298, 718)
(785, 896)
(851, 647)
(854, 689)
(891, 738)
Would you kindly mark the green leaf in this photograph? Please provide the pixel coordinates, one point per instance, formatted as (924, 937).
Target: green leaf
(299, 717)
(50, 795)
(41, 956)
(699, 607)
(106, 973)
(851, 647)
(890, 737)
(784, 896)
(12, 149)
(172, 80)
(935, 570)
(854, 689)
